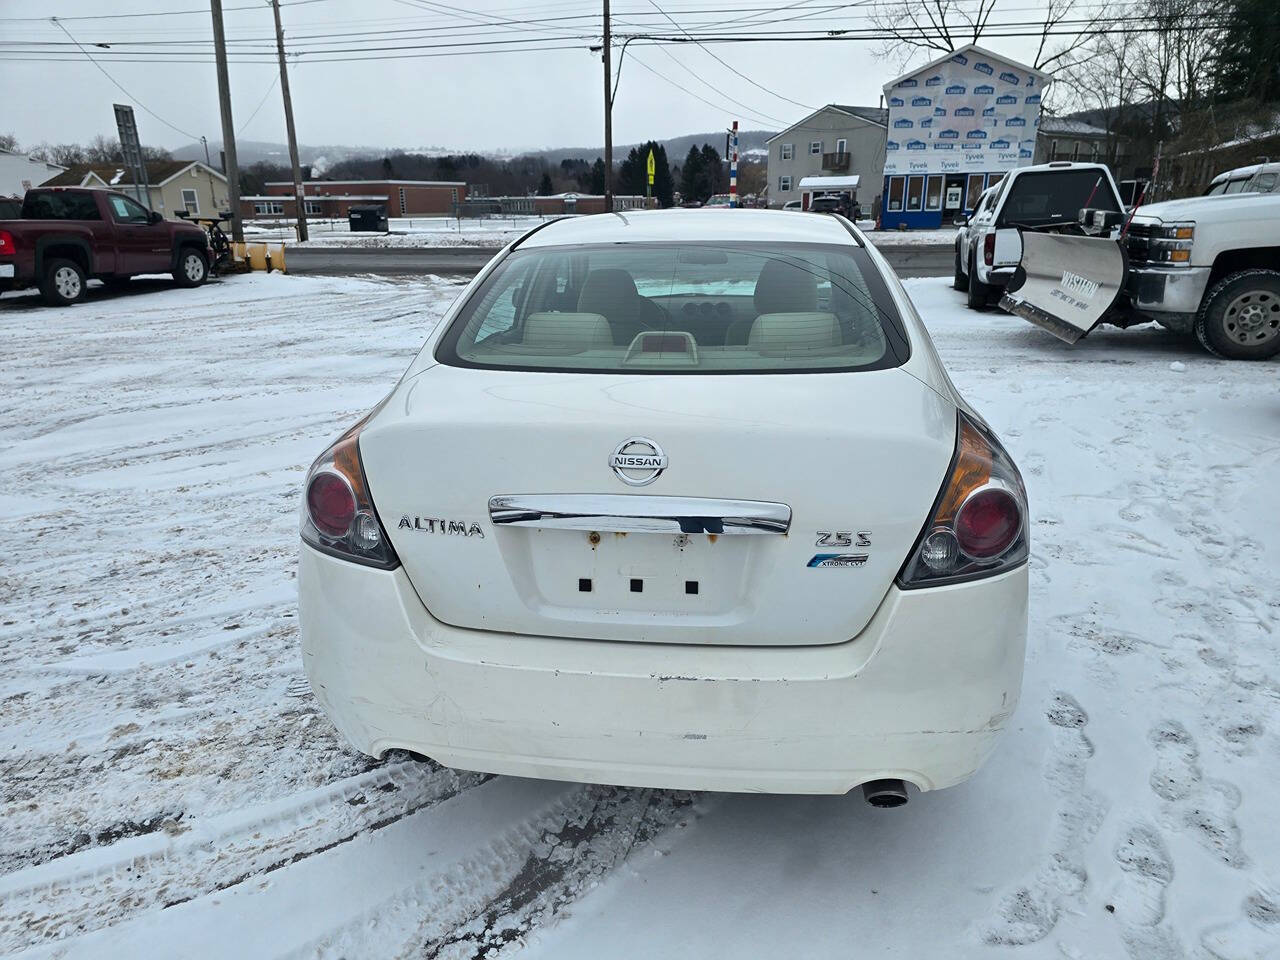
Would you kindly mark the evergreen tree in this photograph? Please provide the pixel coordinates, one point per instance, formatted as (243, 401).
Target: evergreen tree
(1248, 61)
(596, 185)
(545, 187)
(691, 176)
(717, 180)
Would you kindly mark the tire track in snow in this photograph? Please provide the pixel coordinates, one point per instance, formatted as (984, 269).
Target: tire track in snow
(185, 860)
(524, 877)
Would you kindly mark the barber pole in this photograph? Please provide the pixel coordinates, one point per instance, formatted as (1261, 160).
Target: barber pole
(733, 168)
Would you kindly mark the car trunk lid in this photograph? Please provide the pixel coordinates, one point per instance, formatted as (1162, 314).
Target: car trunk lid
(784, 506)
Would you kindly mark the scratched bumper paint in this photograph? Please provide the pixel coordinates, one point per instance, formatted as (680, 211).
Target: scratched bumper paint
(922, 693)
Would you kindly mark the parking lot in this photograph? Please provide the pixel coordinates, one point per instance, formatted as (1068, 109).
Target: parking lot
(171, 789)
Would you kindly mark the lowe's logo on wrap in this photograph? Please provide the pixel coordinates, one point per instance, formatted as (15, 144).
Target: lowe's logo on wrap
(910, 82)
(921, 102)
(891, 145)
(949, 135)
(984, 90)
(895, 101)
(902, 123)
(984, 68)
(976, 135)
(1010, 78)
(1001, 144)
(934, 81)
(1007, 99)
(1016, 122)
(964, 112)
(973, 156)
(960, 58)
(939, 111)
(941, 145)
(955, 90)
(915, 145)
(1024, 154)
(989, 112)
(1034, 98)
(926, 123)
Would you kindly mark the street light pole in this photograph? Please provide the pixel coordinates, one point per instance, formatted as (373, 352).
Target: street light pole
(608, 117)
(298, 201)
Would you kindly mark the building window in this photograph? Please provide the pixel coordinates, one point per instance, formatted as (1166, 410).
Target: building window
(272, 208)
(784, 184)
(973, 191)
(994, 178)
(915, 193)
(404, 207)
(933, 193)
(895, 194)
(842, 146)
(312, 207)
(786, 151)
(815, 147)
(1075, 153)
(453, 195)
(190, 202)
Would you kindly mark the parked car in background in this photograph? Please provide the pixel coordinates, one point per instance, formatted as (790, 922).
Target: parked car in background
(1257, 178)
(1208, 266)
(625, 599)
(793, 205)
(67, 235)
(1046, 196)
(829, 204)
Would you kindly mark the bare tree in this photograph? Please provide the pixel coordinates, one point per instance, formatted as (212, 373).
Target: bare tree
(937, 25)
(8, 143)
(1102, 79)
(64, 154)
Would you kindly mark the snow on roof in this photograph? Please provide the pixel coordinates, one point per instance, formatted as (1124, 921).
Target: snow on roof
(1066, 125)
(829, 183)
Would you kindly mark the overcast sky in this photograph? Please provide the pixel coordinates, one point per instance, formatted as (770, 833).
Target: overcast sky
(498, 99)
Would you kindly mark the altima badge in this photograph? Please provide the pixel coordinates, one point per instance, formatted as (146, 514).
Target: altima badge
(637, 461)
(458, 528)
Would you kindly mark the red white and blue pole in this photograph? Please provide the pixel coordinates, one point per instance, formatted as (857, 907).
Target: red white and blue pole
(733, 168)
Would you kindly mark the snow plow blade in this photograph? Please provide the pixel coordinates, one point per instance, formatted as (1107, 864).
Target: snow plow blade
(1066, 283)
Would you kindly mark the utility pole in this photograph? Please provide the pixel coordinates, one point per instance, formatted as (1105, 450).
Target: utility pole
(230, 168)
(608, 117)
(299, 203)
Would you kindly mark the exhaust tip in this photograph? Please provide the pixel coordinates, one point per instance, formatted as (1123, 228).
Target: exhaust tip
(885, 793)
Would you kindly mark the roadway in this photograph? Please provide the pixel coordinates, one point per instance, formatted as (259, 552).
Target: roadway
(924, 260)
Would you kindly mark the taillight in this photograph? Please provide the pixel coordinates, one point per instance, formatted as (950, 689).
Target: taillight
(978, 527)
(989, 249)
(338, 516)
(7, 247)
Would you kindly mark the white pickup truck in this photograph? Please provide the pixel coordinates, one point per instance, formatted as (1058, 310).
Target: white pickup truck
(1047, 196)
(1207, 265)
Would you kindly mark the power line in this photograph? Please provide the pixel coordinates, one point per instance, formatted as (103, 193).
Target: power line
(722, 63)
(189, 136)
(245, 126)
(707, 83)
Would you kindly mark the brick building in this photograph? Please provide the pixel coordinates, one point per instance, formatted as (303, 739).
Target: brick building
(334, 198)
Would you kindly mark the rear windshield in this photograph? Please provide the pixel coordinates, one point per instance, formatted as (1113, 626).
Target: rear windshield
(1055, 196)
(680, 308)
(56, 205)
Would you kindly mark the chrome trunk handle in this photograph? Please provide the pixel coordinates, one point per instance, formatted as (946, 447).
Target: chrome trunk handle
(620, 513)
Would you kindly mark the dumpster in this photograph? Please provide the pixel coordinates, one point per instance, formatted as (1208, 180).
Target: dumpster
(371, 218)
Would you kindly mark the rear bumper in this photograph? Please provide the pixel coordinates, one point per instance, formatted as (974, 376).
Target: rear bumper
(995, 276)
(921, 694)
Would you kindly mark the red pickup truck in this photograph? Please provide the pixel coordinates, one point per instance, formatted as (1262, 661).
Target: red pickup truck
(66, 235)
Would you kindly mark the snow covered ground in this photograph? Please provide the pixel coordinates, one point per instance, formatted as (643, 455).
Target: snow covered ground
(405, 232)
(170, 790)
(498, 232)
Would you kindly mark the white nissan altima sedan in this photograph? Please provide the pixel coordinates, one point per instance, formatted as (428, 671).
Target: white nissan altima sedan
(673, 499)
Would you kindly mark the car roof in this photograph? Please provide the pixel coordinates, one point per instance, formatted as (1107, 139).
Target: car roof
(698, 226)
